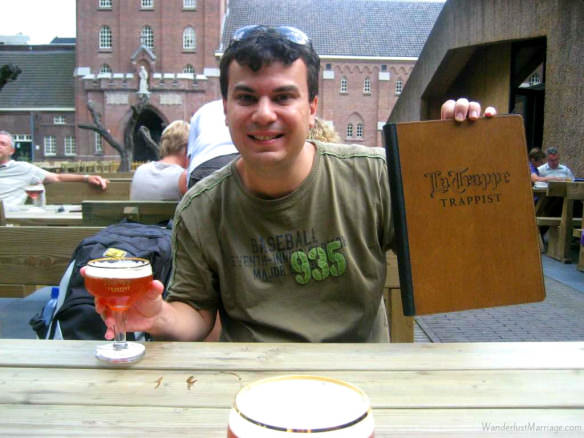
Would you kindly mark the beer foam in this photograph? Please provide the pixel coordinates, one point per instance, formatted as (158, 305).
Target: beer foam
(123, 269)
(302, 402)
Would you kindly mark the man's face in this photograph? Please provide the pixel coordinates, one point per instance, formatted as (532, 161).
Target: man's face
(6, 149)
(268, 113)
(553, 161)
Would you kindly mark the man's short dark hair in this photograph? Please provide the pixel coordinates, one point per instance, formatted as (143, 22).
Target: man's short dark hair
(265, 46)
(551, 151)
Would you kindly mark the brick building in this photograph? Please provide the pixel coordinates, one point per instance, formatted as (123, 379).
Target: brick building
(368, 49)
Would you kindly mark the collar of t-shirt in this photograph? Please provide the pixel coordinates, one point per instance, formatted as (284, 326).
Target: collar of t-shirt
(7, 164)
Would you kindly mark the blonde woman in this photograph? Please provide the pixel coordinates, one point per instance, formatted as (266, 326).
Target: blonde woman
(164, 180)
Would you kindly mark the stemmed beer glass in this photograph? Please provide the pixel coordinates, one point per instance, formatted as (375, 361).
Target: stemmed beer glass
(118, 282)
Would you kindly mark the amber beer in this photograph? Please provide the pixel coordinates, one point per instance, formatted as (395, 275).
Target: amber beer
(118, 281)
(296, 406)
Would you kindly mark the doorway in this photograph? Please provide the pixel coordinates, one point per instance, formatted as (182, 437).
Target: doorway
(151, 120)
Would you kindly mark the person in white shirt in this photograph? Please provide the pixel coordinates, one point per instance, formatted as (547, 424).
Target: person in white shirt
(164, 180)
(210, 145)
(553, 170)
(16, 175)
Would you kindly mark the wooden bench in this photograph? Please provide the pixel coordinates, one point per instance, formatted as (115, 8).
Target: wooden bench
(75, 192)
(555, 221)
(102, 213)
(35, 256)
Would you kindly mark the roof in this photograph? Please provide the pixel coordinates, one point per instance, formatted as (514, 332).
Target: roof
(61, 40)
(377, 28)
(46, 80)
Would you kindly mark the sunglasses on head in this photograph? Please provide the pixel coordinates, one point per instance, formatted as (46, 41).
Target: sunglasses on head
(290, 33)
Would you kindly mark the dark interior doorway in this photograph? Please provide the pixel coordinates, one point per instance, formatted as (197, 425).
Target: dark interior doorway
(156, 125)
(527, 96)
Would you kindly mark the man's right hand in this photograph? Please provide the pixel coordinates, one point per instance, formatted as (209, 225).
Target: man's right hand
(140, 317)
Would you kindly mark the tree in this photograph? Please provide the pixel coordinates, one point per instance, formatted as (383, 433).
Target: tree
(125, 149)
(8, 73)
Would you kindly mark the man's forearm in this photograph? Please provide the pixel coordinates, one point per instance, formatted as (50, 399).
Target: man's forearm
(180, 322)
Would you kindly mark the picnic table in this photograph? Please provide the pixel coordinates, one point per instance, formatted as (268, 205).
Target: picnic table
(48, 215)
(55, 388)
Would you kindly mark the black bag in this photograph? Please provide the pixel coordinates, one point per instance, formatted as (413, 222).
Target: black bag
(76, 317)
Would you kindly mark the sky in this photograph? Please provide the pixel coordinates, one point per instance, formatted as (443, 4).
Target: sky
(40, 20)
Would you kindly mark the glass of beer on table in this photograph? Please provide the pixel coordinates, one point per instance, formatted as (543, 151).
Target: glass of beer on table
(118, 282)
(35, 192)
(297, 406)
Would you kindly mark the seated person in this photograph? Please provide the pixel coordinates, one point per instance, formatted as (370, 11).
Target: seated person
(553, 170)
(210, 146)
(323, 131)
(164, 180)
(16, 175)
(536, 159)
(289, 241)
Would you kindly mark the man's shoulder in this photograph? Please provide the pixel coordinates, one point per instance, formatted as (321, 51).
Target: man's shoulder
(349, 151)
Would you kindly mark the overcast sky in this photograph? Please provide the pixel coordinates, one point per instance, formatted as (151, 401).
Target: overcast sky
(41, 20)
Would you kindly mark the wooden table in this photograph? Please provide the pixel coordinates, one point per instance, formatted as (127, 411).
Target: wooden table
(56, 388)
(47, 216)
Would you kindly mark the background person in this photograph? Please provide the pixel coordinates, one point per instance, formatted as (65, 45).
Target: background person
(323, 131)
(16, 175)
(165, 179)
(553, 170)
(210, 146)
(281, 242)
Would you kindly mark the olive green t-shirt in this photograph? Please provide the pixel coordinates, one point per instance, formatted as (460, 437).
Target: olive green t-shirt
(309, 266)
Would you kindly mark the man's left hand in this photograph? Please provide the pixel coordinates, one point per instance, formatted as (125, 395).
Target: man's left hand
(462, 109)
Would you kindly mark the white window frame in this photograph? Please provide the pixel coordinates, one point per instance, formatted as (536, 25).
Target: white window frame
(344, 86)
(105, 68)
(534, 79)
(188, 68)
(189, 4)
(147, 37)
(70, 146)
(105, 38)
(350, 130)
(58, 120)
(399, 86)
(50, 145)
(189, 38)
(21, 137)
(104, 4)
(146, 4)
(367, 86)
(359, 132)
(98, 142)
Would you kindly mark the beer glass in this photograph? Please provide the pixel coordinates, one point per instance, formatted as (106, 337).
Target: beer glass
(295, 406)
(118, 282)
(35, 192)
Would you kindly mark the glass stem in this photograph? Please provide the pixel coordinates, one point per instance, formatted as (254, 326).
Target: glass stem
(120, 330)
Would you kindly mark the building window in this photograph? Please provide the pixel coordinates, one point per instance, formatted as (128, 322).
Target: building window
(70, 148)
(147, 37)
(359, 130)
(105, 4)
(329, 67)
(350, 130)
(105, 38)
(189, 4)
(189, 39)
(105, 68)
(147, 4)
(344, 85)
(188, 69)
(367, 86)
(50, 145)
(98, 143)
(59, 120)
(398, 87)
(383, 67)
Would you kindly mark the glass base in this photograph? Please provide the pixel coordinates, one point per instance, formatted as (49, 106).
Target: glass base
(132, 353)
